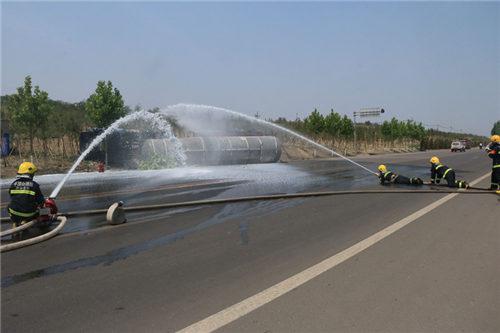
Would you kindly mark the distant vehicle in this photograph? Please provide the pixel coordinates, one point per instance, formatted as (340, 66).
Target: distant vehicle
(466, 143)
(457, 146)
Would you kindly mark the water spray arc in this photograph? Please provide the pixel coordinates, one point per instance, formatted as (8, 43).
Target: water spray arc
(182, 107)
(156, 120)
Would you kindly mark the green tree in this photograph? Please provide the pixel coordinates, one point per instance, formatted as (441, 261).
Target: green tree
(333, 124)
(395, 129)
(347, 127)
(415, 131)
(29, 111)
(385, 129)
(496, 128)
(315, 122)
(67, 120)
(105, 105)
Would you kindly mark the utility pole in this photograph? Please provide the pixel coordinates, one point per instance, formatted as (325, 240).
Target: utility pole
(355, 146)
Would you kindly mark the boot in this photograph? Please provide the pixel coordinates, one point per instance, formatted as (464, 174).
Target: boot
(416, 181)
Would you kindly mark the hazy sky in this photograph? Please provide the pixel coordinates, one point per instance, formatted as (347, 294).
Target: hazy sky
(438, 63)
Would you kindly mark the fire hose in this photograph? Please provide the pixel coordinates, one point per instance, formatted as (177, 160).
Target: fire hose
(267, 197)
(17, 229)
(13, 246)
(63, 217)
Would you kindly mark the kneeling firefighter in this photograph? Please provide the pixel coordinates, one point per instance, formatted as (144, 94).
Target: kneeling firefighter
(493, 150)
(26, 196)
(391, 177)
(439, 171)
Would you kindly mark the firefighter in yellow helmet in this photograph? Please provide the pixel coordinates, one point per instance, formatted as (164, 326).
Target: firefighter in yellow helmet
(440, 171)
(25, 195)
(390, 177)
(493, 150)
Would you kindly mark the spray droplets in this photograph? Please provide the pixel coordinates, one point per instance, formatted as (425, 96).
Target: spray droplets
(156, 120)
(183, 111)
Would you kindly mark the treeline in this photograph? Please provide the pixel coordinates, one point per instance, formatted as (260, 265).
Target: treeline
(435, 139)
(337, 128)
(38, 125)
(51, 128)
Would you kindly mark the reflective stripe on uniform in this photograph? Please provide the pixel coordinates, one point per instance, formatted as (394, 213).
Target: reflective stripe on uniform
(496, 166)
(436, 175)
(446, 172)
(22, 192)
(15, 212)
(385, 174)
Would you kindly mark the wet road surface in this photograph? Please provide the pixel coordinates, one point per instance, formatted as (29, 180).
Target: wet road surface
(166, 270)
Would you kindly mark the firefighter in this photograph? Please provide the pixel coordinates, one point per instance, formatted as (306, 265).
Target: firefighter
(391, 177)
(493, 150)
(439, 171)
(25, 195)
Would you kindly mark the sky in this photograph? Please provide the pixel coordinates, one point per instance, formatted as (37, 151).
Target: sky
(433, 62)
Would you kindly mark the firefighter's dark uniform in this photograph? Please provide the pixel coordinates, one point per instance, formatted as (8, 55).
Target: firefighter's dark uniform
(439, 171)
(494, 153)
(391, 177)
(25, 198)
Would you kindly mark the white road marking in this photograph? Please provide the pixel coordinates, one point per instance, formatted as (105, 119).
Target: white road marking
(246, 306)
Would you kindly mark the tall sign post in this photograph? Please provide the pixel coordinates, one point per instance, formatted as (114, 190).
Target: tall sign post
(364, 113)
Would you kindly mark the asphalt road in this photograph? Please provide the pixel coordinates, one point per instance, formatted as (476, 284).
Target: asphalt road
(165, 271)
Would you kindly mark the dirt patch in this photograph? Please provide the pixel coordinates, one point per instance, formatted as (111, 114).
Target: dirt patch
(45, 165)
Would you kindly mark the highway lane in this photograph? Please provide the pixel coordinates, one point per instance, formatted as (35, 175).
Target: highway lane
(440, 274)
(163, 274)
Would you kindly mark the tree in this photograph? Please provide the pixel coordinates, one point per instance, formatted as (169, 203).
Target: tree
(29, 111)
(415, 131)
(347, 127)
(333, 123)
(496, 128)
(67, 119)
(395, 129)
(315, 122)
(385, 129)
(105, 105)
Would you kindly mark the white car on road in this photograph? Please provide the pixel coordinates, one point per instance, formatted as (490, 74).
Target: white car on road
(457, 146)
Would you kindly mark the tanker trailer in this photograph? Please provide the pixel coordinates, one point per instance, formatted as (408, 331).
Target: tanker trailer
(219, 150)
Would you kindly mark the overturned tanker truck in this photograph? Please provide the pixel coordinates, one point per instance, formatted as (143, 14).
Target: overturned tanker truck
(220, 150)
(126, 148)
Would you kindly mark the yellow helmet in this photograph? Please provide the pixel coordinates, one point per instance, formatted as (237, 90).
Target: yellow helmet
(27, 168)
(495, 138)
(434, 160)
(382, 168)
